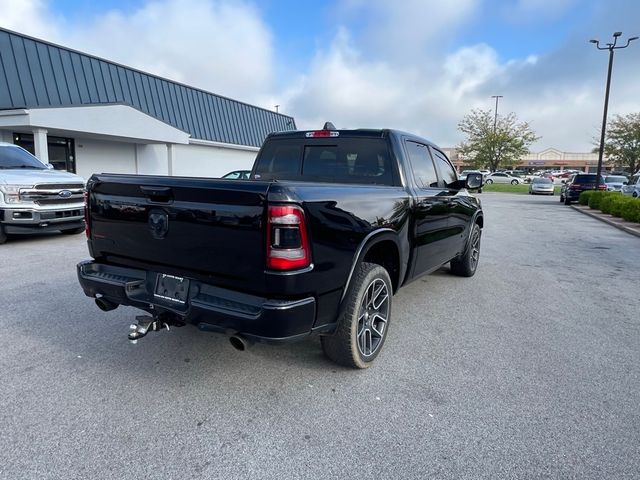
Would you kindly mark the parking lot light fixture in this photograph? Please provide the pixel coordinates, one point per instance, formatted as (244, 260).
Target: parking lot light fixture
(611, 47)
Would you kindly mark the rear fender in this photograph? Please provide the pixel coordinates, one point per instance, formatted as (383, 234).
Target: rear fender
(367, 243)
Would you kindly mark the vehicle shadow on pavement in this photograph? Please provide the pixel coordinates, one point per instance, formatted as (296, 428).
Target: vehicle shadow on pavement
(31, 238)
(102, 338)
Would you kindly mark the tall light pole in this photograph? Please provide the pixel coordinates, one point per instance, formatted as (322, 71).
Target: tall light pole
(611, 47)
(495, 112)
(495, 121)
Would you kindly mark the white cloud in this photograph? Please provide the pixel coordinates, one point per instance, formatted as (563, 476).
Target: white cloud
(413, 27)
(31, 17)
(220, 46)
(389, 67)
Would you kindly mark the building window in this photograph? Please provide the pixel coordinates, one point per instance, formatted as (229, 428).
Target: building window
(62, 151)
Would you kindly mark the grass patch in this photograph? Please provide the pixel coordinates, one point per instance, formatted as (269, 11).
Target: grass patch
(508, 188)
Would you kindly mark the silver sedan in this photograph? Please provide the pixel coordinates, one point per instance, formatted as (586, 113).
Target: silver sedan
(543, 186)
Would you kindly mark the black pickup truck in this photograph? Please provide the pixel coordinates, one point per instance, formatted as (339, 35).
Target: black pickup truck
(329, 226)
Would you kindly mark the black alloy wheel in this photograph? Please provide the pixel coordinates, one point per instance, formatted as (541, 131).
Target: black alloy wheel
(363, 323)
(466, 264)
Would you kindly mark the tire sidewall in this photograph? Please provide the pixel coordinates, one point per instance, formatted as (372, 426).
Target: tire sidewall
(471, 268)
(375, 272)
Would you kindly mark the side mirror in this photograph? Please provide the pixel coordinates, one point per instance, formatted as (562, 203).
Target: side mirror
(625, 183)
(473, 181)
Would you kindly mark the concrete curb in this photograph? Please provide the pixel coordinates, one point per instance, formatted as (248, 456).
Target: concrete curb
(620, 224)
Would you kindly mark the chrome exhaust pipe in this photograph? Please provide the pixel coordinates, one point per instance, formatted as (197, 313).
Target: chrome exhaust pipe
(105, 305)
(240, 342)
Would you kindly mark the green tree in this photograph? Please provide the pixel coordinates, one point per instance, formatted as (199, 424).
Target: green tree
(622, 143)
(493, 148)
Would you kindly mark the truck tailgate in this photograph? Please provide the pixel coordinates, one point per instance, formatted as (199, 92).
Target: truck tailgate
(211, 227)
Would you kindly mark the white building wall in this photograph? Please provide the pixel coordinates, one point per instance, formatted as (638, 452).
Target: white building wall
(152, 159)
(98, 156)
(209, 161)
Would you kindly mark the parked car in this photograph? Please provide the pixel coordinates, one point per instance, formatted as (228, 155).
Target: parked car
(36, 198)
(571, 189)
(332, 224)
(615, 182)
(542, 186)
(238, 175)
(500, 177)
(633, 187)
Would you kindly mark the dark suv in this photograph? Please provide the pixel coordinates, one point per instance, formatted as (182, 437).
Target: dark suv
(577, 184)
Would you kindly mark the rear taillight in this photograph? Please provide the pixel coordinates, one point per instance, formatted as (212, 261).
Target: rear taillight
(87, 223)
(287, 240)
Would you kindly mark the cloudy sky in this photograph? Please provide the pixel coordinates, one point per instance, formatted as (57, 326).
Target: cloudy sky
(414, 65)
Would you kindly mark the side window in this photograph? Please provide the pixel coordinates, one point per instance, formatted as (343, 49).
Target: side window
(423, 170)
(447, 173)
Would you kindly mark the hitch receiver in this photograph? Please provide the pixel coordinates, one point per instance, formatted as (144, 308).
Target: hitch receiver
(148, 324)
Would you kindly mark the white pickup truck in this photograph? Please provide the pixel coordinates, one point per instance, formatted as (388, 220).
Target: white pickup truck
(633, 187)
(36, 198)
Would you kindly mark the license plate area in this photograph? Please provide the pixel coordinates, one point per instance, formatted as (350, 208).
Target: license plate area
(172, 289)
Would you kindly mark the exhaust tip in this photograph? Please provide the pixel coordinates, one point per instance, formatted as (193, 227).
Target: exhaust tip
(239, 342)
(105, 305)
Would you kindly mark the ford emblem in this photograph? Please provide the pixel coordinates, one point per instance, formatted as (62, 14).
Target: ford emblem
(64, 193)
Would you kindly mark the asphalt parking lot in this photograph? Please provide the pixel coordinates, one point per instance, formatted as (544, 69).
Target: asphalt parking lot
(530, 369)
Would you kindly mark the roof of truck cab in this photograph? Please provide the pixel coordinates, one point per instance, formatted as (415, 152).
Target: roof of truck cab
(358, 132)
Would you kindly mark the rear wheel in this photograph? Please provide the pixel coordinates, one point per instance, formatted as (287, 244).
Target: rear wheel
(3, 235)
(73, 231)
(466, 264)
(567, 201)
(364, 320)
(561, 197)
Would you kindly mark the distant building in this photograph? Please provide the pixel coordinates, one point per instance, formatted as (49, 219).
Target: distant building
(88, 115)
(550, 158)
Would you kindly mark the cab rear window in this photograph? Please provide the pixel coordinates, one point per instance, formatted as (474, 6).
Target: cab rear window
(332, 160)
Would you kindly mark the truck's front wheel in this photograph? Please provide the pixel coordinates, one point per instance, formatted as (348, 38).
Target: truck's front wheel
(364, 320)
(3, 235)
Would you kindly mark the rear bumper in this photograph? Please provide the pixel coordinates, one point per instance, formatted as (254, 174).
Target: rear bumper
(208, 307)
(575, 194)
(542, 192)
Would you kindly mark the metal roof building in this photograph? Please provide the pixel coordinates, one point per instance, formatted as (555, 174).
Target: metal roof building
(52, 95)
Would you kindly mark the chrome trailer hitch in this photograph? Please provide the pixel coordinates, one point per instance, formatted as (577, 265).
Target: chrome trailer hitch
(148, 324)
